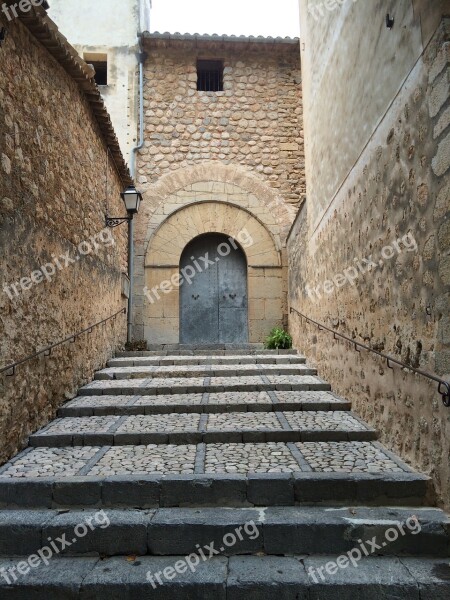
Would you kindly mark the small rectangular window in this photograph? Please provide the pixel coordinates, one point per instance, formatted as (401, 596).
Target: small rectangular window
(101, 72)
(209, 75)
(100, 64)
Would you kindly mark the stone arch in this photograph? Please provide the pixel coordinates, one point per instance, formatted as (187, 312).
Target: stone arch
(159, 298)
(182, 226)
(217, 182)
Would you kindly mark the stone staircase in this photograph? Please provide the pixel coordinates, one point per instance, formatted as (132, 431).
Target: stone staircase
(216, 473)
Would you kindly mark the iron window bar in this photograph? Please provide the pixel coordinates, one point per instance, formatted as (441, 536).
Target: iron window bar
(443, 387)
(47, 351)
(209, 76)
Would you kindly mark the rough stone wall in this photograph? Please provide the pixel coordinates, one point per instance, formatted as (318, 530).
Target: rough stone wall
(400, 186)
(255, 122)
(52, 199)
(241, 147)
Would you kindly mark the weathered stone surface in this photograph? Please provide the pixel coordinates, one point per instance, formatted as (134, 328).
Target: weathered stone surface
(52, 185)
(397, 192)
(216, 158)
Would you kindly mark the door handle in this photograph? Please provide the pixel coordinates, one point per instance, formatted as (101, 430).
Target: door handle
(196, 297)
(233, 296)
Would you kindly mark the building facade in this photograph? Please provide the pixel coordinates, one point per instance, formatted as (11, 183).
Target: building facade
(223, 155)
(105, 34)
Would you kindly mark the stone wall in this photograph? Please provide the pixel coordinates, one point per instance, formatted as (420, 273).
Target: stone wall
(241, 149)
(373, 259)
(255, 122)
(52, 209)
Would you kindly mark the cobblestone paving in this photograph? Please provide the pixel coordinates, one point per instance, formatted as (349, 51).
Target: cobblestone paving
(50, 462)
(168, 400)
(239, 398)
(307, 396)
(215, 398)
(243, 421)
(142, 460)
(96, 401)
(237, 381)
(347, 457)
(272, 457)
(81, 425)
(250, 458)
(293, 379)
(188, 422)
(188, 370)
(202, 360)
(133, 385)
(160, 423)
(323, 421)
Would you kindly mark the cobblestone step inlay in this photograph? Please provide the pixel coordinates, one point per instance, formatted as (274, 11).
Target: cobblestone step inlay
(142, 361)
(271, 457)
(181, 428)
(193, 385)
(202, 403)
(195, 371)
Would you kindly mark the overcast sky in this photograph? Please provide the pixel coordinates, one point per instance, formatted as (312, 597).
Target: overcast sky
(238, 17)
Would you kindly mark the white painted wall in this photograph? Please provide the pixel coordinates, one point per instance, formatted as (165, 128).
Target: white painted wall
(109, 27)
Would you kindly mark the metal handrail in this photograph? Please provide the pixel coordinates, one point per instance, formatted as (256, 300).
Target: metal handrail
(444, 386)
(47, 351)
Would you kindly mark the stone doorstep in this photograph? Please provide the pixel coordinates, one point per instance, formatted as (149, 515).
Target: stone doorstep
(195, 371)
(233, 578)
(224, 350)
(254, 489)
(161, 361)
(276, 531)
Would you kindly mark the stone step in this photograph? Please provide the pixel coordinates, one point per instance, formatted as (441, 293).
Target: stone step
(86, 406)
(227, 578)
(200, 385)
(206, 350)
(196, 428)
(257, 359)
(274, 473)
(196, 371)
(281, 531)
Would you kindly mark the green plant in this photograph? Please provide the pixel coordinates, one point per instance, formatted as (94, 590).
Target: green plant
(278, 339)
(137, 346)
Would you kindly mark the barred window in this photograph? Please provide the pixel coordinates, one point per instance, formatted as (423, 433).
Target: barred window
(210, 75)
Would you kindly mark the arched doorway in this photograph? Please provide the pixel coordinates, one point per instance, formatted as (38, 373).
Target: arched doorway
(213, 292)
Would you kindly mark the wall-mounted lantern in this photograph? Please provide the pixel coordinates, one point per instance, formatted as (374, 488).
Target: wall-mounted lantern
(132, 200)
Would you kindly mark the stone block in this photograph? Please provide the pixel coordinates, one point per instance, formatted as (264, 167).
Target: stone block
(441, 162)
(439, 94)
(266, 577)
(204, 490)
(123, 491)
(270, 489)
(82, 492)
